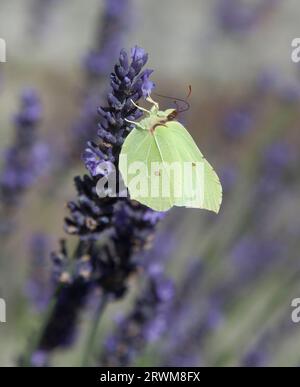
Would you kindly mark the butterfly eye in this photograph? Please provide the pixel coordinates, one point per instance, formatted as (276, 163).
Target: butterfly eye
(172, 115)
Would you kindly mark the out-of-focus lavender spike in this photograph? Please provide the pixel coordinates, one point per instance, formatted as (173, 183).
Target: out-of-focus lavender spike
(255, 358)
(266, 81)
(192, 327)
(113, 27)
(38, 288)
(289, 92)
(192, 275)
(228, 177)
(145, 323)
(41, 10)
(271, 81)
(277, 165)
(251, 257)
(39, 359)
(252, 254)
(180, 335)
(238, 122)
(26, 159)
(148, 319)
(260, 353)
(236, 16)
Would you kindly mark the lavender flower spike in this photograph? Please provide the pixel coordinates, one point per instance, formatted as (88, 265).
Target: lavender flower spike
(38, 289)
(145, 323)
(26, 159)
(236, 16)
(124, 226)
(126, 87)
(17, 174)
(113, 27)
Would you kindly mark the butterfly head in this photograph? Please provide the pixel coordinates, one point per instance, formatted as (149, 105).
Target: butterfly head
(167, 115)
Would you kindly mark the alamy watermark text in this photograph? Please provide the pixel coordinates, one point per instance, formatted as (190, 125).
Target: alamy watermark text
(2, 50)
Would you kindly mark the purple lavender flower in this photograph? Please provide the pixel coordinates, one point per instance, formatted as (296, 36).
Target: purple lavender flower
(113, 28)
(39, 359)
(267, 81)
(267, 341)
(238, 123)
(233, 16)
(125, 226)
(38, 288)
(144, 324)
(147, 85)
(290, 92)
(276, 165)
(27, 158)
(255, 358)
(61, 330)
(228, 176)
(91, 215)
(181, 336)
(236, 16)
(41, 11)
(93, 158)
(278, 156)
(271, 81)
(192, 326)
(250, 255)
(149, 315)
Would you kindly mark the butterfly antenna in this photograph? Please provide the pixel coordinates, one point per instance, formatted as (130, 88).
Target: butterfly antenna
(189, 92)
(185, 100)
(177, 105)
(176, 100)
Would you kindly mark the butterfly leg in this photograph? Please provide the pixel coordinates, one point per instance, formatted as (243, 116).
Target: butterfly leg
(130, 122)
(140, 108)
(137, 124)
(155, 104)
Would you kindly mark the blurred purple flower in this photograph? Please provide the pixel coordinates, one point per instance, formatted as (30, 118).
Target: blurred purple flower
(238, 122)
(147, 85)
(94, 155)
(38, 288)
(115, 22)
(255, 358)
(251, 255)
(278, 161)
(290, 92)
(278, 156)
(144, 324)
(26, 159)
(267, 81)
(228, 177)
(39, 359)
(41, 11)
(93, 158)
(237, 16)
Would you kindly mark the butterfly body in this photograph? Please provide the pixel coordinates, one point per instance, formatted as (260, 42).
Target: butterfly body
(156, 118)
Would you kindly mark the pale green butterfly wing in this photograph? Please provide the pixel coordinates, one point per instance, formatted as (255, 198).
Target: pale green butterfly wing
(169, 145)
(140, 147)
(178, 144)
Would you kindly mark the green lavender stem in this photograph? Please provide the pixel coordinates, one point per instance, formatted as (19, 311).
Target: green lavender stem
(26, 362)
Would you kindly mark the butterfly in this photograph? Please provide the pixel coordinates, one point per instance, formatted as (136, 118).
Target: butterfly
(162, 166)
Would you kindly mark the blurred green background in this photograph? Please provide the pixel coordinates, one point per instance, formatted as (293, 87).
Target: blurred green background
(244, 116)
